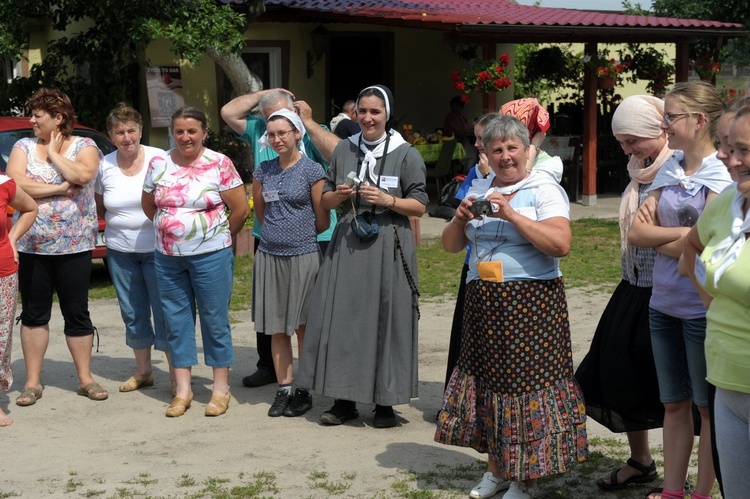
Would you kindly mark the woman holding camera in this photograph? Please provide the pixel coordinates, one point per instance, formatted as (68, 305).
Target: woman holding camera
(361, 338)
(287, 195)
(514, 376)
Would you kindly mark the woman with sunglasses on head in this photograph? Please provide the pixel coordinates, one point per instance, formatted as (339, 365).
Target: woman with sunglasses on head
(361, 337)
(287, 195)
(690, 179)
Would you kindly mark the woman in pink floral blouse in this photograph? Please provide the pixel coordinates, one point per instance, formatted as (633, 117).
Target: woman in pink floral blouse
(187, 193)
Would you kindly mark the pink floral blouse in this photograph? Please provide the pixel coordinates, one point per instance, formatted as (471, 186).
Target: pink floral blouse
(191, 217)
(65, 224)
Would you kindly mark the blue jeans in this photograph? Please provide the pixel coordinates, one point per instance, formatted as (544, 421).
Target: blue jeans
(680, 358)
(134, 277)
(205, 279)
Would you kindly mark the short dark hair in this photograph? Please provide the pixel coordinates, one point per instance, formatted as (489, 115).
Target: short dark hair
(122, 114)
(188, 112)
(54, 102)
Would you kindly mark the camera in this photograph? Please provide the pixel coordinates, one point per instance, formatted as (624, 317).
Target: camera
(352, 180)
(480, 208)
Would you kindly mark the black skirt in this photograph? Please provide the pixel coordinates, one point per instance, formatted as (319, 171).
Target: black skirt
(618, 376)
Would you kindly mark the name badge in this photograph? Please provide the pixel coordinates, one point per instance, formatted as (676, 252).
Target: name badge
(387, 182)
(527, 211)
(269, 196)
(700, 271)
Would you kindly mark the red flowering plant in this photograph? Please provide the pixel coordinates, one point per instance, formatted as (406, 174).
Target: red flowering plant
(606, 66)
(705, 66)
(485, 76)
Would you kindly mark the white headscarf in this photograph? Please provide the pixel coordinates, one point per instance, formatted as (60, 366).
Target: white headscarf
(639, 116)
(727, 251)
(296, 121)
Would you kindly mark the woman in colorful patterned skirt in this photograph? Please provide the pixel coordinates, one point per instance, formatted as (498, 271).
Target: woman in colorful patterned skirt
(512, 394)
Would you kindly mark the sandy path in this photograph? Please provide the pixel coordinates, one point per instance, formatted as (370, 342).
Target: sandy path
(66, 438)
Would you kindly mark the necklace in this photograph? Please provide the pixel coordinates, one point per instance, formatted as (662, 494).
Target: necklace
(134, 167)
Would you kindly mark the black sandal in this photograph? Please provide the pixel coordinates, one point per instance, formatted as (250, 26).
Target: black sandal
(648, 475)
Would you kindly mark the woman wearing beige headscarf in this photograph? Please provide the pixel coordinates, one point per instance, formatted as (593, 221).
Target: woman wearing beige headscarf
(618, 376)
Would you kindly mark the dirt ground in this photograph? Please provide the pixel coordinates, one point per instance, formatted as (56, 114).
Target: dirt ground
(66, 445)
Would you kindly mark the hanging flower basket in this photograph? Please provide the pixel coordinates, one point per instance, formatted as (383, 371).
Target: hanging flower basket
(484, 77)
(606, 82)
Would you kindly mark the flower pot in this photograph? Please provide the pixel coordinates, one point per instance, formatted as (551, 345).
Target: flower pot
(605, 82)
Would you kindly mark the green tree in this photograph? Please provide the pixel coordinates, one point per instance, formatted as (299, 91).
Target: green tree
(99, 65)
(706, 51)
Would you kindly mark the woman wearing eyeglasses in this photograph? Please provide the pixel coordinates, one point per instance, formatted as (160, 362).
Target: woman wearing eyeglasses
(689, 180)
(288, 200)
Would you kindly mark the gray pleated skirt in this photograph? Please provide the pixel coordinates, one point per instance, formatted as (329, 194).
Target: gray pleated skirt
(282, 291)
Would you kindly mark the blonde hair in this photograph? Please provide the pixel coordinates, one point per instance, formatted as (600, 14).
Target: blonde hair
(699, 96)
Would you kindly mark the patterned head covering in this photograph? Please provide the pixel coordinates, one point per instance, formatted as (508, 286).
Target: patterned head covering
(530, 113)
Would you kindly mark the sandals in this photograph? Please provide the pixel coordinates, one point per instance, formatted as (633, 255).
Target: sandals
(94, 391)
(178, 406)
(220, 405)
(31, 393)
(648, 475)
(136, 382)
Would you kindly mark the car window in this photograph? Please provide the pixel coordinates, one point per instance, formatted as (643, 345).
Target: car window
(10, 137)
(7, 139)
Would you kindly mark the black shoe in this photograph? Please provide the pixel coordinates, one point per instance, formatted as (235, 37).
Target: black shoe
(261, 377)
(279, 403)
(301, 403)
(384, 417)
(342, 410)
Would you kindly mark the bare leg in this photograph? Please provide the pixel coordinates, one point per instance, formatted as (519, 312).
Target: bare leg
(34, 341)
(678, 443)
(281, 349)
(80, 350)
(221, 381)
(142, 361)
(639, 451)
(706, 473)
(300, 332)
(182, 378)
(5, 420)
(494, 468)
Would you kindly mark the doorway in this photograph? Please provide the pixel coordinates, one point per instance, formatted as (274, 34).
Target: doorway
(356, 60)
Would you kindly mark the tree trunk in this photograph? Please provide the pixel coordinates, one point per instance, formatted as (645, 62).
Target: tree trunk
(243, 81)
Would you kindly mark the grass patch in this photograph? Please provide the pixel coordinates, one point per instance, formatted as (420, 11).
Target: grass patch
(320, 481)
(72, 486)
(94, 493)
(142, 479)
(594, 258)
(100, 284)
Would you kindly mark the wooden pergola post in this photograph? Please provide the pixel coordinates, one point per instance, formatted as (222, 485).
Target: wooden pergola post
(589, 130)
(489, 100)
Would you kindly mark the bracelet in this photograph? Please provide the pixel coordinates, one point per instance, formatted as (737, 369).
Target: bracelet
(394, 202)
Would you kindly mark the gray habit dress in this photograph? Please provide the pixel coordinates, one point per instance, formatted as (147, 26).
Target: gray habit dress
(361, 336)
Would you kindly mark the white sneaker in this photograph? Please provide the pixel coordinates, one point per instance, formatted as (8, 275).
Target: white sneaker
(489, 486)
(519, 490)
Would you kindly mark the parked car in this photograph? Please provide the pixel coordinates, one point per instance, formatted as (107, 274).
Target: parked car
(14, 128)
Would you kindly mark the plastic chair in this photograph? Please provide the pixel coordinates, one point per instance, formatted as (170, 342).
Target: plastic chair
(443, 164)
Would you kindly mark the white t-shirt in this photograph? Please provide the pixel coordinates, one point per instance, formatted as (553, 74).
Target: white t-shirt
(128, 228)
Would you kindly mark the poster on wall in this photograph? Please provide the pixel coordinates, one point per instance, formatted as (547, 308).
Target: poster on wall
(164, 93)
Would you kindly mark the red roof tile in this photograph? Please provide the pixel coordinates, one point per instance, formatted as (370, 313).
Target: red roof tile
(497, 12)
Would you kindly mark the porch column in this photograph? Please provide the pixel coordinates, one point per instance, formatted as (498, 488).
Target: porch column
(682, 61)
(589, 130)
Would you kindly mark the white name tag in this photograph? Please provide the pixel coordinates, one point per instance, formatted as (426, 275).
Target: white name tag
(700, 271)
(269, 196)
(527, 211)
(388, 182)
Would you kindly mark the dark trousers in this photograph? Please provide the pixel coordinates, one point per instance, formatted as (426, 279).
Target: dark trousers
(263, 340)
(454, 348)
